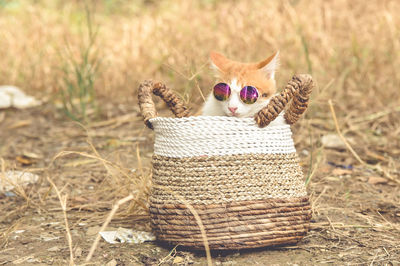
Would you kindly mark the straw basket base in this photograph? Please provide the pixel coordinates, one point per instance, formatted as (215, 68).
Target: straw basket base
(235, 225)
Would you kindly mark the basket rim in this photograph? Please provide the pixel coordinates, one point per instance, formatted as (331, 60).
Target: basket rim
(249, 121)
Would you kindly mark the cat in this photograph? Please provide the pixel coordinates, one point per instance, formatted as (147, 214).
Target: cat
(235, 94)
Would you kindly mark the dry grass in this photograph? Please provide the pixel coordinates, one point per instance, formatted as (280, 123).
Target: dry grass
(350, 47)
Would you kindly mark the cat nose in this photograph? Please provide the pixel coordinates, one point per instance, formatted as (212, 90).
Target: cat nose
(232, 109)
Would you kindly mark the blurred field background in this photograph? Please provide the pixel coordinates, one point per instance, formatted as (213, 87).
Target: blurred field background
(352, 46)
(85, 59)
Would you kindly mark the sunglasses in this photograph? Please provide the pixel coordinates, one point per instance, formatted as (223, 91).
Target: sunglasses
(248, 94)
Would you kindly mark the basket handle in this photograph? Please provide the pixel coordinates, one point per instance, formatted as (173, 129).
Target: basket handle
(297, 91)
(146, 102)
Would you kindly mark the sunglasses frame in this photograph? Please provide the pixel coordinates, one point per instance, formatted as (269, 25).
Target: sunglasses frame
(230, 92)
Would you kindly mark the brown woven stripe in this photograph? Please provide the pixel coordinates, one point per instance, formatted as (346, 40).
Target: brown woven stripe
(146, 103)
(222, 179)
(234, 225)
(256, 207)
(297, 90)
(228, 214)
(244, 243)
(234, 220)
(240, 241)
(229, 227)
(295, 231)
(245, 218)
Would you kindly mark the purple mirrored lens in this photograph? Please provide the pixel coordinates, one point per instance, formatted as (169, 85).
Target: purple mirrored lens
(249, 94)
(222, 91)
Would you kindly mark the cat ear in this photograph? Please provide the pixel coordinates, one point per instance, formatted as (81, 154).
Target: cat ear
(218, 61)
(269, 65)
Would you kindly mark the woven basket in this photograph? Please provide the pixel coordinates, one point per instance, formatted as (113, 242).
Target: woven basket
(226, 182)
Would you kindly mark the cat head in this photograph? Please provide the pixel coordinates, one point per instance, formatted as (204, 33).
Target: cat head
(237, 75)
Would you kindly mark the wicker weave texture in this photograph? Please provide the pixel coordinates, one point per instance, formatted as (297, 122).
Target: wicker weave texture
(217, 179)
(236, 180)
(243, 201)
(235, 225)
(146, 103)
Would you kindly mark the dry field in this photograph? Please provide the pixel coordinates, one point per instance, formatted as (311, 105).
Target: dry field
(85, 59)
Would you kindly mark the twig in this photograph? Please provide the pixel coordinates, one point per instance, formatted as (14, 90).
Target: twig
(341, 135)
(139, 159)
(200, 91)
(319, 196)
(168, 256)
(373, 167)
(314, 170)
(386, 251)
(372, 262)
(199, 223)
(116, 120)
(63, 203)
(330, 223)
(379, 169)
(339, 225)
(105, 224)
(84, 154)
(375, 116)
(197, 83)
(391, 225)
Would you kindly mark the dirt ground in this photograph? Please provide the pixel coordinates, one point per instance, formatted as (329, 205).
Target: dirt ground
(356, 210)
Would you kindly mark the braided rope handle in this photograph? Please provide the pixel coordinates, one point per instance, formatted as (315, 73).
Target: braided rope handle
(146, 103)
(297, 91)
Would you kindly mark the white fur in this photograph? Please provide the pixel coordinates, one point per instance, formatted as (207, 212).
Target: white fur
(213, 107)
(272, 66)
(214, 67)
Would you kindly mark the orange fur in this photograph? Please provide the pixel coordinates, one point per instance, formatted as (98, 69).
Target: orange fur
(245, 73)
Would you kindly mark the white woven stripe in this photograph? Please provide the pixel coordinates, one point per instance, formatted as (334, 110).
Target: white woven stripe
(219, 135)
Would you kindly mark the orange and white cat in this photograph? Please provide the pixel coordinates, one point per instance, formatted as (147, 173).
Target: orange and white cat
(242, 88)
